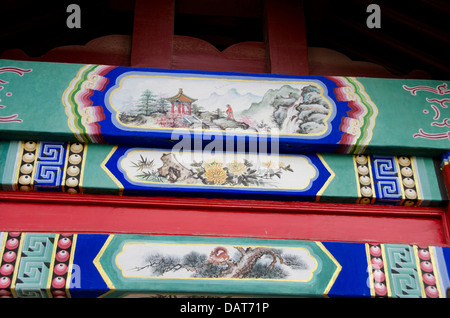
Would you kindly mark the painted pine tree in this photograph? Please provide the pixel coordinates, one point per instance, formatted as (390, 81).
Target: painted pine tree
(146, 103)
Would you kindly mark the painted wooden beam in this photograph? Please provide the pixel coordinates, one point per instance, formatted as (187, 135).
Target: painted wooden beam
(286, 37)
(302, 114)
(220, 217)
(130, 171)
(79, 265)
(153, 33)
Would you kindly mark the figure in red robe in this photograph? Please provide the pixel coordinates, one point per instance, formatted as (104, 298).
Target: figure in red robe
(230, 112)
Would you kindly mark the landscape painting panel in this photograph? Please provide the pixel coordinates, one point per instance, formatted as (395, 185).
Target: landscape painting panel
(301, 108)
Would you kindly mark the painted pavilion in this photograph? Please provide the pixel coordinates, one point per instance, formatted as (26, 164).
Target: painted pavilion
(180, 102)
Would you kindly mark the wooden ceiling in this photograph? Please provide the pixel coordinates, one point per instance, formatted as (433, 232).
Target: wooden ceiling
(414, 34)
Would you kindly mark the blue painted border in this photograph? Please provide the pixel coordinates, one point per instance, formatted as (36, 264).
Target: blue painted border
(133, 188)
(162, 139)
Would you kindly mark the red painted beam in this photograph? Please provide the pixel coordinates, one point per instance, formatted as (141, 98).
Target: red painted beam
(46, 212)
(153, 34)
(286, 37)
(227, 205)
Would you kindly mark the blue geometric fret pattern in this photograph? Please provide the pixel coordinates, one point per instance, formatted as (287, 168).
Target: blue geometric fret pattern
(50, 166)
(386, 180)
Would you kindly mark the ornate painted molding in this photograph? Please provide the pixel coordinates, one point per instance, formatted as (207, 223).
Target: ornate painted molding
(46, 265)
(120, 105)
(104, 169)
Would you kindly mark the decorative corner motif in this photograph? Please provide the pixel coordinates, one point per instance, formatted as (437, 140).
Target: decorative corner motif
(439, 130)
(14, 118)
(359, 123)
(83, 115)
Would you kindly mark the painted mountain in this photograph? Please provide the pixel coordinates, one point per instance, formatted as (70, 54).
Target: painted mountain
(232, 97)
(291, 110)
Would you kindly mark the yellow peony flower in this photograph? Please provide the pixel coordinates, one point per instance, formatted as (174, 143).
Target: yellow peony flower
(236, 168)
(212, 163)
(216, 175)
(271, 164)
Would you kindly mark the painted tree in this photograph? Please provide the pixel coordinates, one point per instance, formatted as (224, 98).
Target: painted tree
(146, 103)
(250, 262)
(162, 105)
(197, 110)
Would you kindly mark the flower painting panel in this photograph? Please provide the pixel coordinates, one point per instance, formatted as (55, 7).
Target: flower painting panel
(143, 166)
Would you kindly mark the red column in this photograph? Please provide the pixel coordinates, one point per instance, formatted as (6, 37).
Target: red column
(190, 108)
(286, 34)
(153, 33)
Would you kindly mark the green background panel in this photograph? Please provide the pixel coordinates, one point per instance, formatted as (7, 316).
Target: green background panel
(95, 178)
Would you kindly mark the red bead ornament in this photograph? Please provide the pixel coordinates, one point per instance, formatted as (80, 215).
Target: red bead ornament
(58, 282)
(60, 269)
(6, 269)
(380, 289)
(4, 282)
(424, 254)
(426, 266)
(377, 263)
(62, 256)
(378, 275)
(9, 256)
(12, 243)
(59, 292)
(64, 243)
(432, 292)
(429, 279)
(375, 251)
